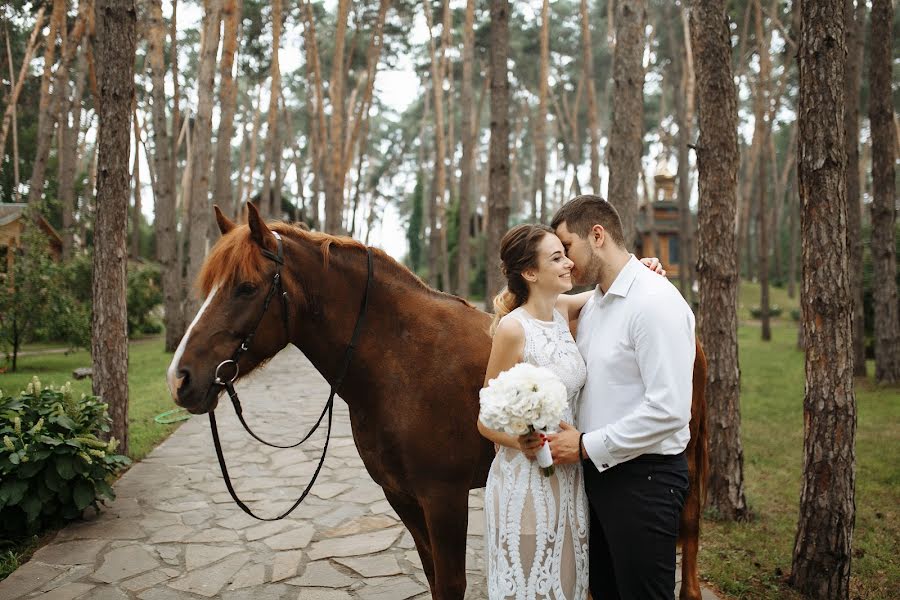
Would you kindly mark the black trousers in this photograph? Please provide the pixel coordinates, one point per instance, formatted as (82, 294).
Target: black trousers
(635, 511)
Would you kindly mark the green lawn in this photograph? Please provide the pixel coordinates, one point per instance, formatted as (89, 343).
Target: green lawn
(750, 560)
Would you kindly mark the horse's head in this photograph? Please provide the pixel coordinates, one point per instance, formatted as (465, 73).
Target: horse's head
(236, 279)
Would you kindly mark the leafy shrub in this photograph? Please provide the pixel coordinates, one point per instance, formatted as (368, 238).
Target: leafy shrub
(52, 464)
(774, 311)
(144, 293)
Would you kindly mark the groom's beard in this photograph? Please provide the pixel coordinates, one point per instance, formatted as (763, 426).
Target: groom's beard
(590, 274)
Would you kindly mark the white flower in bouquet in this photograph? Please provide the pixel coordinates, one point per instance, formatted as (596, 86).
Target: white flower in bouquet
(524, 398)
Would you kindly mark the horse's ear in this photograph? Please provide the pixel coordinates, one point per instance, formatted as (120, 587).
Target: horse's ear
(225, 224)
(259, 232)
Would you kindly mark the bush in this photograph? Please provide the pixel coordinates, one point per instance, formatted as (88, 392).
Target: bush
(144, 293)
(52, 463)
(774, 311)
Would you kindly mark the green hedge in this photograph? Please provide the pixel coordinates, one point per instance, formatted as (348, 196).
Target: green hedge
(53, 463)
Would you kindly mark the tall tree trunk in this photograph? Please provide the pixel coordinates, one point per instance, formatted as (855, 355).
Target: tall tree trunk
(116, 42)
(266, 203)
(884, 207)
(199, 215)
(222, 190)
(498, 151)
(854, 23)
(794, 251)
(823, 544)
(761, 110)
(47, 113)
(334, 189)
(69, 154)
(20, 80)
(11, 105)
(466, 182)
(539, 183)
(247, 189)
(587, 60)
(439, 189)
(717, 162)
(164, 211)
(136, 174)
(625, 140)
(176, 88)
(685, 135)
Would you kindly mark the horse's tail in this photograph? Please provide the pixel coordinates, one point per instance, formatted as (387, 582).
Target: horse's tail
(701, 449)
(698, 469)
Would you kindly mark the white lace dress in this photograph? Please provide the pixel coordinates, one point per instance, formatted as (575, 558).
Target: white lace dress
(536, 533)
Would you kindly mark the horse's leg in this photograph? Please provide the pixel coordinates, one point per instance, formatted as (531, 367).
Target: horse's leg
(689, 534)
(410, 512)
(447, 515)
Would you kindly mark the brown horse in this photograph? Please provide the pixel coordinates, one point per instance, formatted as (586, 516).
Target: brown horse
(412, 386)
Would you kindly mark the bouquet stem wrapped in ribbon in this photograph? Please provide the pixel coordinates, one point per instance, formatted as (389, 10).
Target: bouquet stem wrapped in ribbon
(524, 399)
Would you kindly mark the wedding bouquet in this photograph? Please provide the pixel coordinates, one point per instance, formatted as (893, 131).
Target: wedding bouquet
(523, 399)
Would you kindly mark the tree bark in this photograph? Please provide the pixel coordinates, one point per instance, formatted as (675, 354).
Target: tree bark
(334, 189)
(822, 547)
(20, 81)
(717, 162)
(439, 189)
(587, 59)
(761, 104)
(247, 188)
(854, 21)
(11, 105)
(266, 201)
(200, 218)
(69, 154)
(625, 140)
(164, 211)
(685, 135)
(222, 190)
(467, 167)
(48, 109)
(116, 41)
(884, 209)
(136, 174)
(498, 150)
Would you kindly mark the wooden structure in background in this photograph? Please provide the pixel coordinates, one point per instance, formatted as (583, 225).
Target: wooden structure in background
(12, 224)
(665, 220)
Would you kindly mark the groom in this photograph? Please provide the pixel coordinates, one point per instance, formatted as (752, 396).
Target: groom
(636, 334)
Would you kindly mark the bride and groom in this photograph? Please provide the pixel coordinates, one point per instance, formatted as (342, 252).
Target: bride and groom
(607, 520)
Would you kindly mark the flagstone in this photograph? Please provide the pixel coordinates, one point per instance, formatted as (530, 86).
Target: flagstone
(71, 553)
(209, 581)
(68, 591)
(390, 588)
(323, 594)
(286, 564)
(214, 535)
(106, 592)
(321, 574)
(355, 545)
(372, 566)
(200, 555)
(360, 525)
(363, 494)
(298, 537)
(329, 490)
(147, 580)
(249, 576)
(104, 529)
(173, 533)
(124, 563)
(27, 578)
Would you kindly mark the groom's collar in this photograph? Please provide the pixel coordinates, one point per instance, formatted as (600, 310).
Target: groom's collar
(624, 279)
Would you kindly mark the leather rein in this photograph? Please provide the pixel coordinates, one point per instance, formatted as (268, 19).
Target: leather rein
(228, 383)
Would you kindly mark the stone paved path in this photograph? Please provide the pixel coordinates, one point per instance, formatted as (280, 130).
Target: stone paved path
(173, 532)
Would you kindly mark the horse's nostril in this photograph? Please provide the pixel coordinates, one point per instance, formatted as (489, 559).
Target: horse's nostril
(184, 378)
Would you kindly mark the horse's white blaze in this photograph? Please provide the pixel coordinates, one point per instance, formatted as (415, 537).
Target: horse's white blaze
(172, 373)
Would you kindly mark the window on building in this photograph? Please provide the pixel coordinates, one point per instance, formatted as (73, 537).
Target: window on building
(4, 252)
(674, 255)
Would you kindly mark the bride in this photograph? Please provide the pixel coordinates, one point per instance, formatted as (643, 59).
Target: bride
(537, 527)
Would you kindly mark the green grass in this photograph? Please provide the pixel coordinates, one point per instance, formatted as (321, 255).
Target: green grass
(147, 393)
(748, 297)
(750, 560)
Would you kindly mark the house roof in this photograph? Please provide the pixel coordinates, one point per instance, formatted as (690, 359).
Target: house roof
(13, 211)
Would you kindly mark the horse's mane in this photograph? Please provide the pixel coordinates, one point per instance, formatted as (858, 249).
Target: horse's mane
(235, 257)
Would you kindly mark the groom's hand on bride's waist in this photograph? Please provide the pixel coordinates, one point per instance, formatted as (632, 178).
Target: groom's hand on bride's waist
(564, 445)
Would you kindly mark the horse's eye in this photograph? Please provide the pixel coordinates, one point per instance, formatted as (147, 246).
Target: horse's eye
(246, 289)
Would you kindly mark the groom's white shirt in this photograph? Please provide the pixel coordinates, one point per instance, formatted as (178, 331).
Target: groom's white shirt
(638, 342)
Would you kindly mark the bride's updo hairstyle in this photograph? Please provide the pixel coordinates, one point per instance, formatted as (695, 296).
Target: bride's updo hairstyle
(518, 253)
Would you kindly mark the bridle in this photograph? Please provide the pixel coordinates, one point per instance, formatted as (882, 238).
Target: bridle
(228, 383)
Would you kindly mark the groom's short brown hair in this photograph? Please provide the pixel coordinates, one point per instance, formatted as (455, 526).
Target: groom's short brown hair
(583, 212)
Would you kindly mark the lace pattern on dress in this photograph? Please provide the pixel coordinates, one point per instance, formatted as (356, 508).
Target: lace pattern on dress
(537, 527)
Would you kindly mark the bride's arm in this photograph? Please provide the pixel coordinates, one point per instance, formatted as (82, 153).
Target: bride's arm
(570, 305)
(506, 351)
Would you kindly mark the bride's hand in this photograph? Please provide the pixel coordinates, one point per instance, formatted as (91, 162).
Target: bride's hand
(654, 265)
(530, 443)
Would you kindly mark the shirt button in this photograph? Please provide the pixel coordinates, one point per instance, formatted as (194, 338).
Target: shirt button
(605, 466)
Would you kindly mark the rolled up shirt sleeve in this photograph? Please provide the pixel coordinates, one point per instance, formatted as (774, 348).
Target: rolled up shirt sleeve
(663, 338)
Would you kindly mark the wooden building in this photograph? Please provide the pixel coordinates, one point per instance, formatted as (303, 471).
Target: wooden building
(12, 225)
(659, 226)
